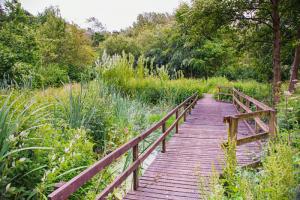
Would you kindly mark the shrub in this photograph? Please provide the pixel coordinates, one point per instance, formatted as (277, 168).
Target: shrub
(274, 180)
(52, 75)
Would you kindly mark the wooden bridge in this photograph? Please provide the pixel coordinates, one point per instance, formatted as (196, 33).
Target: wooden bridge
(192, 151)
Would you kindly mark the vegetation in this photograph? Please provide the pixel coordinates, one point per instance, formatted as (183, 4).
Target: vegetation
(278, 176)
(69, 96)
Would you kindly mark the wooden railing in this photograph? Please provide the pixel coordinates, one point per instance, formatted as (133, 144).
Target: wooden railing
(64, 190)
(259, 117)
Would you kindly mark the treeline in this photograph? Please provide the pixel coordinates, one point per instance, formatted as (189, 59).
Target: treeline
(236, 39)
(41, 50)
(205, 38)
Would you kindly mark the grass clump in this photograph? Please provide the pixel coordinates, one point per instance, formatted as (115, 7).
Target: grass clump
(141, 81)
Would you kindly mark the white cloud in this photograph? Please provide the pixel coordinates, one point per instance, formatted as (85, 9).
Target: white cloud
(114, 14)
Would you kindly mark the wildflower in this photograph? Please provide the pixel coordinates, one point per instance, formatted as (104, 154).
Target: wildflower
(67, 150)
(22, 159)
(11, 138)
(23, 134)
(7, 187)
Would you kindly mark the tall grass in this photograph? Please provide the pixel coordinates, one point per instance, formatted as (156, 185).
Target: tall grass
(147, 84)
(18, 119)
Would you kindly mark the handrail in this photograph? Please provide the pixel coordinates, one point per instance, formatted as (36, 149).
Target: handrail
(252, 100)
(262, 110)
(71, 186)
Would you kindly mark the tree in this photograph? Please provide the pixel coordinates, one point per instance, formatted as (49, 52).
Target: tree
(96, 30)
(116, 44)
(291, 18)
(17, 41)
(63, 44)
(276, 50)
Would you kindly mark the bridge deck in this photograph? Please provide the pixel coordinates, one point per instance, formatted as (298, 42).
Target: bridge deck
(175, 175)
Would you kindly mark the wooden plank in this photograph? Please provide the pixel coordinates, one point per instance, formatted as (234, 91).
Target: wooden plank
(135, 156)
(252, 138)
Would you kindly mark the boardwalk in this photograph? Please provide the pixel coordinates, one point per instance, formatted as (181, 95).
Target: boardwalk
(174, 175)
(191, 153)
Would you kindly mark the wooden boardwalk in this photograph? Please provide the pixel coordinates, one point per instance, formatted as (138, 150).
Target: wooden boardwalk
(191, 153)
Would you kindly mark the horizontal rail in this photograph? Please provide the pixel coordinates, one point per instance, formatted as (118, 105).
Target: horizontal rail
(252, 100)
(252, 138)
(71, 186)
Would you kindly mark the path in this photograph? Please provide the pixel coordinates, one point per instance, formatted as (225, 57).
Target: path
(174, 175)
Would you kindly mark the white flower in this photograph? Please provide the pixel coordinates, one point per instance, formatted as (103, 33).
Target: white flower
(11, 138)
(23, 133)
(77, 136)
(22, 159)
(7, 187)
(67, 150)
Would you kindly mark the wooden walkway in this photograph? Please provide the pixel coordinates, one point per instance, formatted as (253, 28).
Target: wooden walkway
(191, 154)
(175, 174)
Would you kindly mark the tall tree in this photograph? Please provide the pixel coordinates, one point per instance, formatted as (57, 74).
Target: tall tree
(276, 50)
(295, 65)
(291, 17)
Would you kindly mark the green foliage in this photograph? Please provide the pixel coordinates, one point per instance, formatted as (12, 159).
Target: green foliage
(148, 85)
(17, 39)
(50, 136)
(275, 179)
(289, 111)
(117, 44)
(30, 47)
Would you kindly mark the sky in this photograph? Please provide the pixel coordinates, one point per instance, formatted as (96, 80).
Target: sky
(114, 14)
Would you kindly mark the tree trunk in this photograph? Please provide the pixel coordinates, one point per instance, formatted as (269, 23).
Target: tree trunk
(295, 65)
(276, 51)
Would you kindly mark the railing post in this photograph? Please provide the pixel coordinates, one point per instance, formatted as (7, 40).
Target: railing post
(135, 155)
(177, 115)
(163, 150)
(184, 112)
(232, 135)
(190, 109)
(272, 123)
(233, 101)
(256, 126)
(233, 128)
(193, 106)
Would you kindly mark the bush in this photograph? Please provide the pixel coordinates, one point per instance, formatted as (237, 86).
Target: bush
(52, 75)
